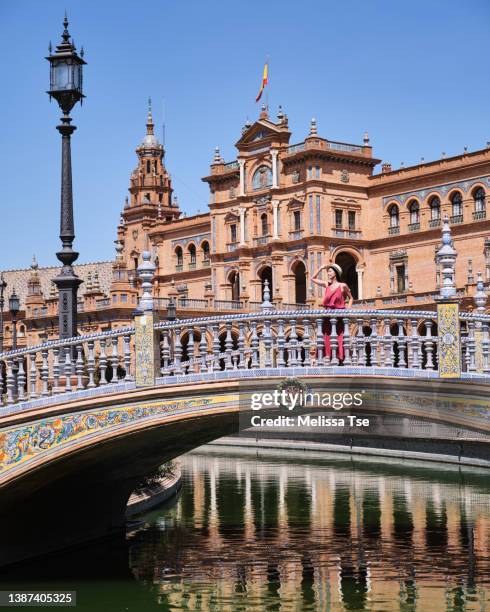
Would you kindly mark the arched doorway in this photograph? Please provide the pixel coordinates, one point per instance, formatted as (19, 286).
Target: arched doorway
(234, 280)
(266, 273)
(299, 271)
(349, 275)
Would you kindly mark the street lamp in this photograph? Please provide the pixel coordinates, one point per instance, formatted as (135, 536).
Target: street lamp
(66, 89)
(3, 285)
(14, 307)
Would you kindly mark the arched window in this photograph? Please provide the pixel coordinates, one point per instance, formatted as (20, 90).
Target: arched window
(394, 216)
(192, 255)
(264, 224)
(414, 210)
(479, 199)
(262, 178)
(180, 256)
(456, 206)
(148, 167)
(435, 208)
(205, 251)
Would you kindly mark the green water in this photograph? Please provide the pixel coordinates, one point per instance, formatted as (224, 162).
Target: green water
(291, 531)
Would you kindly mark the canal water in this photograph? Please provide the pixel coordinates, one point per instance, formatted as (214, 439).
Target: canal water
(295, 531)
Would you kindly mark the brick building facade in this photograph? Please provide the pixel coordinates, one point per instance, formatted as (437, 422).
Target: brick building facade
(278, 212)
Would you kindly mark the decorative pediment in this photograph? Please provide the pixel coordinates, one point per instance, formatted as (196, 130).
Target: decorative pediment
(262, 133)
(295, 204)
(232, 216)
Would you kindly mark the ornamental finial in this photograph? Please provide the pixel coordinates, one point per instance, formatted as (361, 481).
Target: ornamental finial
(313, 131)
(149, 119)
(217, 156)
(365, 139)
(146, 272)
(446, 258)
(66, 35)
(266, 301)
(480, 297)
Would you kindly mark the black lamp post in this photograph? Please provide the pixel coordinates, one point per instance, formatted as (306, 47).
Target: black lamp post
(3, 286)
(66, 89)
(14, 307)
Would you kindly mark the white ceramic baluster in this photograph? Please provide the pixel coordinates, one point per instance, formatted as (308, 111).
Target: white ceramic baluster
(429, 345)
(79, 366)
(127, 357)
(67, 368)
(33, 376)
(10, 381)
(203, 350)
(228, 348)
(45, 373)
(216, 347)
(320, 342)
(306, 343)
(241, 346)
(91, 364)
(347, 343)
(402, 362)
(102, 362)
(56, 371)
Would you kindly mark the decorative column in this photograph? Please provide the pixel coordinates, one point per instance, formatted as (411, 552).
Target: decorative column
(242, 225)
(448, 309)
(241, 163)
(274, 153)
(360, 273)
(146, 340)
(275, 223)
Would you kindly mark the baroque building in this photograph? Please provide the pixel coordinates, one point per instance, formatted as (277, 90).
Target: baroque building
(278, 212)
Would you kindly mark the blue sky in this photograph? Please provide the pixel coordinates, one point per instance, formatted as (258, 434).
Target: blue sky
(414, 74)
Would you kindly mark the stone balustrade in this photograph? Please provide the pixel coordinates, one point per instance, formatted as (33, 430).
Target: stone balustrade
(281, 342)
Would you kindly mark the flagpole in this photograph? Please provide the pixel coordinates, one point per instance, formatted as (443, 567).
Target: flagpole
(268, 83)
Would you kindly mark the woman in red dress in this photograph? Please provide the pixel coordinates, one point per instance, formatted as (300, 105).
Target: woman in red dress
(337, 294)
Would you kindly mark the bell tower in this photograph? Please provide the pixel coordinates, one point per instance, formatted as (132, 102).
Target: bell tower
(150, 185)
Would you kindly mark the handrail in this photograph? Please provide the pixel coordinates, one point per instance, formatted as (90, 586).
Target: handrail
(387, 342)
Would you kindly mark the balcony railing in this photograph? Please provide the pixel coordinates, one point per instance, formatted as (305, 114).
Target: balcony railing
(394, 230)
(435, 222)
(282, 343)
(206, 263)
(261, 240)
(455, 219)
(179, 267)
(479, 214)
(228, 304)
(414, 227)
(231, 165)
(295, 234)
(192, 265)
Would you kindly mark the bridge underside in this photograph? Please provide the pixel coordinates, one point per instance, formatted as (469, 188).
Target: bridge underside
(67, 472)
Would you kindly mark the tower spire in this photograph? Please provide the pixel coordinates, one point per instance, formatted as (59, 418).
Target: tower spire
(149, 119)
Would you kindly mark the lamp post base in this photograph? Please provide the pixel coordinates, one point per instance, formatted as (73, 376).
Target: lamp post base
(67, 283)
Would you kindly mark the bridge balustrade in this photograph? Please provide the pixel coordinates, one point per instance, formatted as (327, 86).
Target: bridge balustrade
(378, 342)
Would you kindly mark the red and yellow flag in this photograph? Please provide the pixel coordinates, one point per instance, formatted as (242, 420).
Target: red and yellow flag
(264, 82)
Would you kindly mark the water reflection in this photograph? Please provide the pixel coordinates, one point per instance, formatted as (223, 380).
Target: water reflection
(295, 534)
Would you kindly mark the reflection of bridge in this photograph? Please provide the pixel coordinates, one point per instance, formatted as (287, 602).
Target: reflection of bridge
(362, 534)
(85, 418)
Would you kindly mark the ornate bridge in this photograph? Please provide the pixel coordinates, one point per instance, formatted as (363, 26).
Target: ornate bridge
(84, 419)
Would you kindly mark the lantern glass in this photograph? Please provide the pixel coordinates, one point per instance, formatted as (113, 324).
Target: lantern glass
(14, 303)
(66, 75)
